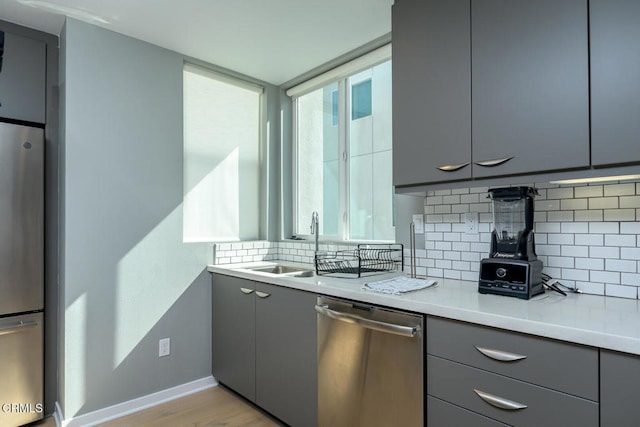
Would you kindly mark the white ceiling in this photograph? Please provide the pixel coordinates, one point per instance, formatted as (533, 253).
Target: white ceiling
(270, 40)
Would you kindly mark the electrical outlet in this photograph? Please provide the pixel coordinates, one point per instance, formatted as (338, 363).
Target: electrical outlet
(164, 347)
(471, 223)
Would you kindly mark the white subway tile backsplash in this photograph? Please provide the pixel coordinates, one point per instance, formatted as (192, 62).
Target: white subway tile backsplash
(621, 291)
(604, 277)
(619, 240)
(560, 239)
(574, 204)
(627, 189)
(630, 228)
(560, 216)
(604, 252)
(589, 263)
(604, 227)
(588, 191)
(619, 214)
(623, 266)
(630, 253)
(603, 203)
(589, 239)
(559, 193)
(588, 235)
(575, 251)
(630, 279)
(574, 227)
(593, 215)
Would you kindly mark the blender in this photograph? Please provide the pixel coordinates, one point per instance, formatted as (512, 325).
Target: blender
(512, 269)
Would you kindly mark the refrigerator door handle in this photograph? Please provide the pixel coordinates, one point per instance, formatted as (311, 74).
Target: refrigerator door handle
(17, 327)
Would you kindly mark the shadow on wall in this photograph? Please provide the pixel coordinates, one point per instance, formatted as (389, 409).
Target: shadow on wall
(141, 368)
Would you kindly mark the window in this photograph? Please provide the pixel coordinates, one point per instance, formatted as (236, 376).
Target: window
(221, 157)
(343, 156)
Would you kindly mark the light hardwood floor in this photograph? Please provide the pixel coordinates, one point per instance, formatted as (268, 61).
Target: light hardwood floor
(212, 407)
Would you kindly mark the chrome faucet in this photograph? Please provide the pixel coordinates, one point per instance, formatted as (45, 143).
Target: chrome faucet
(315, 227)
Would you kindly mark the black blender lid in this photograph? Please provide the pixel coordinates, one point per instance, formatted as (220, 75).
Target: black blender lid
(512, 193)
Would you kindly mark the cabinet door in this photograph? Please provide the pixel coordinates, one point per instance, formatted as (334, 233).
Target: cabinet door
(619, 389)
(233, 333)
(615, 81)
(22, 78)
(286, 358)
(530, 100)
(431, 91)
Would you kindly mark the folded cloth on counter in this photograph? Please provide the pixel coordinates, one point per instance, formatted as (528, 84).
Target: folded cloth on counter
(398, 285)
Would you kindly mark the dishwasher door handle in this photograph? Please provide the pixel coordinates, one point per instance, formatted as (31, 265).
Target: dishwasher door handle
(390, 328)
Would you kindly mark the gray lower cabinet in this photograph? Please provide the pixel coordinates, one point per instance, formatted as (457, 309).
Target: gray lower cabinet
(286, 354)
(476, 372)
(233, 328)
(264, 346)
(431, 91)
(530, 86)
(443, 414)
(620, 388)
(22, 78)
(615, 81)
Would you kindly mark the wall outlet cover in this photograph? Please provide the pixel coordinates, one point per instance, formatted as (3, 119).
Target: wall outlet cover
(471, 223)
(164, 347)
(418, 223)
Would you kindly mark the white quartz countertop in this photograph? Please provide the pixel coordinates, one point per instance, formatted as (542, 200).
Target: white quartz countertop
(605, 322)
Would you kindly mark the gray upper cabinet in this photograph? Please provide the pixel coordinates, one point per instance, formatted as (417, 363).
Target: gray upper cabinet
(530, 84)
(431, 91)
(615, 81)
(22, 78)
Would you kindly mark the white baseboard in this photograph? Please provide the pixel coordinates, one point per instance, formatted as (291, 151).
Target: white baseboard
(131, 406)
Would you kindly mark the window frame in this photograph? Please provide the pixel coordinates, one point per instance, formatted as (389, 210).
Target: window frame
(341, 76)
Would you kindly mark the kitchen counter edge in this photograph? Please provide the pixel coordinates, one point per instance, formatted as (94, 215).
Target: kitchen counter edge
(604, 322)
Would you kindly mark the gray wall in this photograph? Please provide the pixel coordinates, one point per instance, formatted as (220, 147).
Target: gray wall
(127, 279)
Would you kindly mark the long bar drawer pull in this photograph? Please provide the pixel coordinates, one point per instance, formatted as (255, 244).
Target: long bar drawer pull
(17, 327)
(246, 290)
(500, 355)
(262, 294)
(390, 328)
(494, 162)
(500, 402)
(452, 168)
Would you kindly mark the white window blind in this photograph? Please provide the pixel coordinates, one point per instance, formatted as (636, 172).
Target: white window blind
(340, 72)
(221, 157)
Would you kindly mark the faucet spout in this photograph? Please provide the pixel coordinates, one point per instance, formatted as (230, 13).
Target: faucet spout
(315, 227)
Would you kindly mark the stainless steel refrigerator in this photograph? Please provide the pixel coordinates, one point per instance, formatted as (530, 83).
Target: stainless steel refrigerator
(21, 273)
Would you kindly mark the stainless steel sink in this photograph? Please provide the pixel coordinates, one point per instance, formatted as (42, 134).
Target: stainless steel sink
(284, 269)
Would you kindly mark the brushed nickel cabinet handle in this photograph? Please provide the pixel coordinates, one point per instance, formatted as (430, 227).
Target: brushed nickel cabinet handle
(494, 162)
(262, 294)
(500, 402)
(452, 168)
(502, 356)
(246, 290)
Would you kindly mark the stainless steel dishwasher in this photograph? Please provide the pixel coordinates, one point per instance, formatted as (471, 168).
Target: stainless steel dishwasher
(370, 365)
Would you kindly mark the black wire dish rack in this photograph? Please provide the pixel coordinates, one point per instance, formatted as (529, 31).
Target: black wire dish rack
(364, 260)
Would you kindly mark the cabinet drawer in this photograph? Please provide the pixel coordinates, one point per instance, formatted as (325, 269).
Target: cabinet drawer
(442, 414)
(561, 366)
(460, 384)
